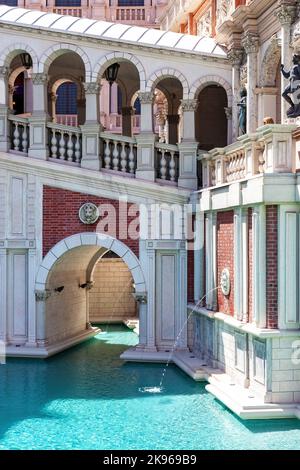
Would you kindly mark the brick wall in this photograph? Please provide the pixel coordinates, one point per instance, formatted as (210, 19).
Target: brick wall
(60, 217)
(271, 266)
(225, 258)
(250, 265)
(111, 297)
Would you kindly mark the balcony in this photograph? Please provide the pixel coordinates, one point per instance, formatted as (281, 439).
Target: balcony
(268, 151)
(117, 153)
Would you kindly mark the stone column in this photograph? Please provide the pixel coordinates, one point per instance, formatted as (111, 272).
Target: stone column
(188, 147)
(146, 140)
(53, 98)
(228, 112)
(91, 128)
(38, 142)
(250, 44)
(4, 110)
(173, 122)
(3, 294)
(259, 266)
(41, 298)
(285, 15)
(151, 305)
(199, 257)
(127, 120)
(235, 56)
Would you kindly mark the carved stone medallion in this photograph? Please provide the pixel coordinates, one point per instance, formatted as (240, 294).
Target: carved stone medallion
(88, 213)
(225, 282)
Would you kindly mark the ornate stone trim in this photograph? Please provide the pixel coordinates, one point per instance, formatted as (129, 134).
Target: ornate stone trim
(88, 213)
(225, 282)
(235, 56)
(39, 78)
(189, 105)
(146, 97)
(285, 14)
(250, 43)
(92, 88)
(42, 295)
(140, 297)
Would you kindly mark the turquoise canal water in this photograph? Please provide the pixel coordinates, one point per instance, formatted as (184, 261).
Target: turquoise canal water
(87, 398)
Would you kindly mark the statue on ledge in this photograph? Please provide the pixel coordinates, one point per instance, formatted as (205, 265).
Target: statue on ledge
(293, 88)
(242, 104)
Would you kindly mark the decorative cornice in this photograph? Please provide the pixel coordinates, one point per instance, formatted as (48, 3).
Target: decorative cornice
(285, 14)
(235, 56)
(42, 295)
(189, 105)
(146, 97)
(39, 78)
(250, 43)
(92, 88)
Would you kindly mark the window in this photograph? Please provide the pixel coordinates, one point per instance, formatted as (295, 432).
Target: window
(131, 3)
(67, 99)
(10, 3)
(68, 3)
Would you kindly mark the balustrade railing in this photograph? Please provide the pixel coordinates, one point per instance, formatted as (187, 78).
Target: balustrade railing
(67, 119)
(167, 162)
(64, 143)
(19, 134)
(72, 11)
(269, 150)
(130, 14)
(118, 153)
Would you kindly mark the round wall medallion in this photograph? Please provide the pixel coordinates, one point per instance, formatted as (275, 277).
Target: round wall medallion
(225, 281)
(88, 213)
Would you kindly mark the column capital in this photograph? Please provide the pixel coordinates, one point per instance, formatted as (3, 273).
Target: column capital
(285, 14)
(235, 56)
(39, 78)
(42, 295)
(92, 88)
(146, 97)
(250, 42)
(189, 105)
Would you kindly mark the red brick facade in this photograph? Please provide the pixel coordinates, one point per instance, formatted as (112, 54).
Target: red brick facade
(271, 266)
(190, 275)
(225, 258)
(250, 265)
(60, 217)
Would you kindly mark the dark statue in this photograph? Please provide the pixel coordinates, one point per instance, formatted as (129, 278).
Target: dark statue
(242, 104)
(294, 77)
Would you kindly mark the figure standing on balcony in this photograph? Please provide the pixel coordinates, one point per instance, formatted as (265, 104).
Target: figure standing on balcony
(294, 77)
(243, 111)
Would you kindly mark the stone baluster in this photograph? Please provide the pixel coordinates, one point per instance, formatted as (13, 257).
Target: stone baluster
(77, 148)
(172, 169)
(53, 144)
(70, 153)
(123, 158)
(16, 136)
(131, 159)
(115, 160)
(163, 165)
(107, 154)
(251, 44)
(285, 15)
(24, 139)
(61, 144)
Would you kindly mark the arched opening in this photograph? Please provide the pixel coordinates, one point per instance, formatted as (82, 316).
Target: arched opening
(168, 94)
(211, 120)
(117, 112)
(86, 278)
(66, 100)
(20, 91)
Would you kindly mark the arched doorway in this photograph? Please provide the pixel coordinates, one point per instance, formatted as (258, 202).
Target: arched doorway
(211, 120)
(65, 279)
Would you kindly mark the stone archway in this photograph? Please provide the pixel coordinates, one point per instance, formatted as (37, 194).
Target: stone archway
(63, 280)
